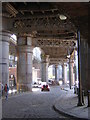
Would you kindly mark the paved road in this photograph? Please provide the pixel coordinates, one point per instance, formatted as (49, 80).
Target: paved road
(34, 104)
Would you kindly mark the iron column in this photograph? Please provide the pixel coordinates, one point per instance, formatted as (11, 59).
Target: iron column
(79, 70)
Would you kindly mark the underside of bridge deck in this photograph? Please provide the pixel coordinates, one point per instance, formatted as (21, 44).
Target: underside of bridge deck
(53, 26)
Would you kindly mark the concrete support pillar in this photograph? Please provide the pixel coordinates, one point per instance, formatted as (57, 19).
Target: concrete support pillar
(65, 74)
(56, 67)
(24, 64)
(44, 68)
(75, 79)
(69, 74)
(72, 74)
(75, 71)
(4, 57)
(53, 70)
(88, 70)
(58, 73)
(71, 77)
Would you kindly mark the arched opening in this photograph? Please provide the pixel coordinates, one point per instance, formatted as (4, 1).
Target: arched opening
(36, 76)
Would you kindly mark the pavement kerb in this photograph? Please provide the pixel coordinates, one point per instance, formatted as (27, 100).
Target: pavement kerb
(67, 114)
(64, 112)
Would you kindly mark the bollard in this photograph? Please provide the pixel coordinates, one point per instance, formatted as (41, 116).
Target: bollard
(83, 97)
(88, 98)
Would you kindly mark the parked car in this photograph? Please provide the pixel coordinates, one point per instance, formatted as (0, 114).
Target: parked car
(35, 85)
(50, 81)
(45, 87)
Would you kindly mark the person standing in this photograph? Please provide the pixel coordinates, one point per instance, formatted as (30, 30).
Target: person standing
(6, 88)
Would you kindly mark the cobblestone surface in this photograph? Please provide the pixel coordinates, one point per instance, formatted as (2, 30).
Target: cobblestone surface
(35, 104)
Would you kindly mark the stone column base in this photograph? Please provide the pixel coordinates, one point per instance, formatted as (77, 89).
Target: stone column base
(24, 87)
